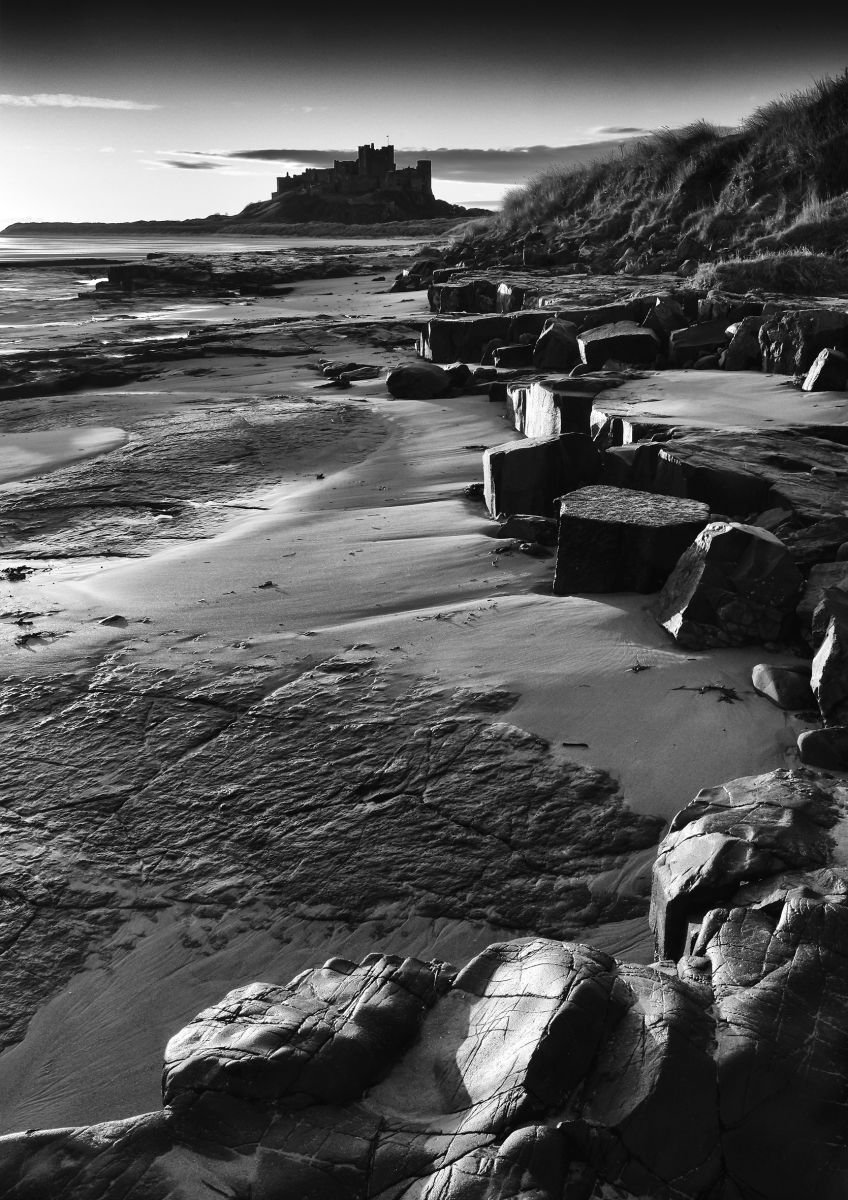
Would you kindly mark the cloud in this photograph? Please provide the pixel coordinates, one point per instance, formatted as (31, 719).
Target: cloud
(619, 130)
(505, 166)
(191, 166)
(68, 100)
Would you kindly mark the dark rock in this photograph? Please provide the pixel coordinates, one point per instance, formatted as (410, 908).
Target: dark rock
(528, 527)
(418, 381)
(556, 348)
(665, 316)
(616, 540)
(788, 687)
(549, 407)
(825, 748)
(735, 584)
(543, 1070)
(790, 341)
(829, 372)
(448, 339)
(743, 352)
(459, 374)
(623, 341)
(685, 346)
(528, 476)
(812, 614)
(516, 355)
(830, 663)
(468, 295)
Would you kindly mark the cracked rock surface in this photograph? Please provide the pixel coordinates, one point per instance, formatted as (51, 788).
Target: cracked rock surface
(544, 1070)
(339, 790)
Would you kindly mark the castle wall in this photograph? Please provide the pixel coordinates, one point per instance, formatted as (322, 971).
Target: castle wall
(372, 171)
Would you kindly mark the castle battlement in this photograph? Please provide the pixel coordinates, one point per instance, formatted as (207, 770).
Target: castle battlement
(373, 170)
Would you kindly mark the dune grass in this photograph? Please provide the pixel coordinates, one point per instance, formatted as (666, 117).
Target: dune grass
(800, 273)
(778, 181)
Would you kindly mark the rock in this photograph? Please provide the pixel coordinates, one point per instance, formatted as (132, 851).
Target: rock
(517, 355)
(826, 748)
(549, 407)
(463, 294)
(788, 687)
(685, 346)
(829, 679)
(418, 381)
(448, 339)
(623, 341)
(528, 527)
(528, 476)
(829, 372)
(459, 374)
(359, 373)
(735, 584)
(616, 540)
(666, 316)
(749, 831)
(556, 348)
(812, 614)
(544, 1069)
(790, 341)
(743, 352)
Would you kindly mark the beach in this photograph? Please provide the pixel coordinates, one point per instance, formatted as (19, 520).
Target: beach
(274, 690)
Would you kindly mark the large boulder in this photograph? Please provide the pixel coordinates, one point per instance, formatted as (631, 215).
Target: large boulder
(829, 372)
(622, 341)
(830, 664)
(686, 346)
(556, 348)
(735, 584)
(528, 476)
(616, 540)
(743, 352)
(790, 341)
(447, 339)
(787, 687)
(812, 611)
(418, 381)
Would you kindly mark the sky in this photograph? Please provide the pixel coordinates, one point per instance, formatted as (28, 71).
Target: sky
(112, 112)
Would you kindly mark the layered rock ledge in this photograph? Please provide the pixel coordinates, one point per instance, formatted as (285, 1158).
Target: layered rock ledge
(543, 1070)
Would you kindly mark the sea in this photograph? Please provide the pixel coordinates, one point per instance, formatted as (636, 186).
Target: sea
(42, 279)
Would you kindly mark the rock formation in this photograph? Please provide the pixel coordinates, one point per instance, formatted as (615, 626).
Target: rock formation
(544, 1070)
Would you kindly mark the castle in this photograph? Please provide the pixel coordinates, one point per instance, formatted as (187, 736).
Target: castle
(373, 170)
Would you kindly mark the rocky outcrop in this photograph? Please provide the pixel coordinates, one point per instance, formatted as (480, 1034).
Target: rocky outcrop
(734, 585)
(790, 341)
(616, 540)
(544, 1068)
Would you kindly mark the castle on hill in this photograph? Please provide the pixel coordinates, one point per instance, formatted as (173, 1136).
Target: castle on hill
(373, 170)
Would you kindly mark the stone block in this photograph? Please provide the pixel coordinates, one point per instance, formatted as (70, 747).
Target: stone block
(528, 476)
(549, 407)
(624, 341)
(617, 540)
(556, 348)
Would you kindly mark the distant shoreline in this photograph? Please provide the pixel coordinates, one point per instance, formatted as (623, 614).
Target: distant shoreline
(210, 227)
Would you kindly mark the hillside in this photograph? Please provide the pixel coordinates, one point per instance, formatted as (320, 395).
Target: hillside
(777, 183)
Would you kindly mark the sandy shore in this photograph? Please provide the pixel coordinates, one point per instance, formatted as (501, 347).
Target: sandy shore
(359, 541)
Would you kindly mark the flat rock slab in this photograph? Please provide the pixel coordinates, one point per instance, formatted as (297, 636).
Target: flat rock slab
(617, 540)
